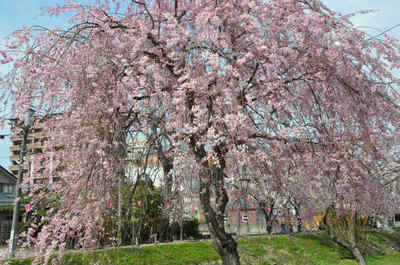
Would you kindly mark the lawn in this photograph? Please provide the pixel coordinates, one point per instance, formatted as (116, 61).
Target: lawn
(312, 249)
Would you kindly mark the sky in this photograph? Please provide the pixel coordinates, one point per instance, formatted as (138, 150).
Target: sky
(16, 13)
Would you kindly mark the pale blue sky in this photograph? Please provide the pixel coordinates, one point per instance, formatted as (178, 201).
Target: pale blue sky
(15, 13)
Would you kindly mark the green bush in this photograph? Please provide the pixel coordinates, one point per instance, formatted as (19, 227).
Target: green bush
(190, 229)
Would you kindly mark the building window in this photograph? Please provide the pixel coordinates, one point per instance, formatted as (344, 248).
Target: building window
(245, 218)
(226, 219)
(6, 188)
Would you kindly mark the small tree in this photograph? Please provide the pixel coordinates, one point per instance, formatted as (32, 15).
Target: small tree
(147, 216)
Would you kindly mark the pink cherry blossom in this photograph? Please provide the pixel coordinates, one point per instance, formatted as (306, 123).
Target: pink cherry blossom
(28, 207)
(283, 100)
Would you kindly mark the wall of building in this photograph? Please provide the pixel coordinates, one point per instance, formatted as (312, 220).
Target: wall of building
(6, 201)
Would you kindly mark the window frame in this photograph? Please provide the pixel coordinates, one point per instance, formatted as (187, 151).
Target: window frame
(245, 219)
(6, 188)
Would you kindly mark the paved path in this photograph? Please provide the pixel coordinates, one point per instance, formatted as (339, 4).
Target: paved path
(21, 253)
(26, 253)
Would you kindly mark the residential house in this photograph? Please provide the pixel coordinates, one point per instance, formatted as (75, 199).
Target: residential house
(7, 195)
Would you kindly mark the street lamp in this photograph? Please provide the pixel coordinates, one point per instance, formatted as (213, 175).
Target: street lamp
(25, 126)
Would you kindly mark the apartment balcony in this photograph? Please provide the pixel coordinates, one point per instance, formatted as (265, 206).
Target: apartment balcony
(15, 168)
(15, 171)
(14, 158)
(37, 145)
(36, 135)
(17, 148)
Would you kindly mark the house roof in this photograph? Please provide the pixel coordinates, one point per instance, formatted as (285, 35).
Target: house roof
(8, 174)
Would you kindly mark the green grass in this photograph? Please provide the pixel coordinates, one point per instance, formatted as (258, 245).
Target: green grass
(169, 254)
(382, 249)
(318, 250)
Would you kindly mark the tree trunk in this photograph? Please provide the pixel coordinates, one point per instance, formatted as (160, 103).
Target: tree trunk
(267, 215)
(238, 224)
(359, 257)
(299, 225)
(181, 230)
(167, 166)
(133, 239)
(268, 223)
(224, 242)
(335, 223)
(120, 207)
(299, 221)
(351, 247)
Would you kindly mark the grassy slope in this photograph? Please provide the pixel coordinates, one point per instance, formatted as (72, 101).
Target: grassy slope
(312, 250)
(296, 250)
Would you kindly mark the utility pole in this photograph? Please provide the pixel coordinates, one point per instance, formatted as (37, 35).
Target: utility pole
(27, 124)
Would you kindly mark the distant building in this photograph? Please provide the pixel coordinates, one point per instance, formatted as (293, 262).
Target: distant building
(37, 136)
(142, 164)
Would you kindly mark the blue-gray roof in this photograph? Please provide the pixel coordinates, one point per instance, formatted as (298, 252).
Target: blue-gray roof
(6, 176)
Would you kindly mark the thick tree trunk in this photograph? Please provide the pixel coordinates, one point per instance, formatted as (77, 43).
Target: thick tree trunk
(351, 247)
(224, 242)
(359, 257)
(336, 224)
